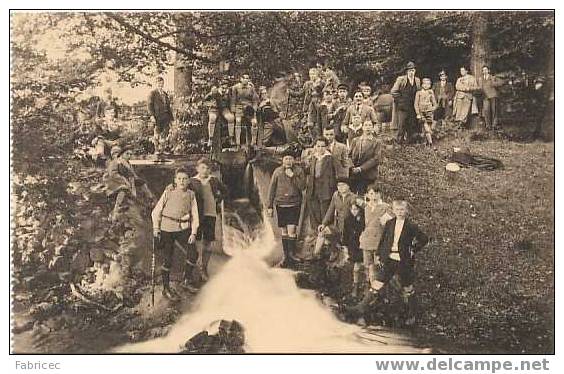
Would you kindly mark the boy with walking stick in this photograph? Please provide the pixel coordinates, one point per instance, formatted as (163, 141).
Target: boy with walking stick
(176, 218)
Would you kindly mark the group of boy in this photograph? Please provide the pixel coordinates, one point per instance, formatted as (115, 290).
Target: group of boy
(185, 216)
(328, 187)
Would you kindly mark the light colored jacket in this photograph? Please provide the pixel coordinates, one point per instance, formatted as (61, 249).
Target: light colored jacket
(176, 210)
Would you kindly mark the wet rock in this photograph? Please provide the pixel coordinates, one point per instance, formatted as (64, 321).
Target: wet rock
(230, 338)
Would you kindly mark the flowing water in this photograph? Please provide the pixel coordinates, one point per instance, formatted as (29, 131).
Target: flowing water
(277, 316)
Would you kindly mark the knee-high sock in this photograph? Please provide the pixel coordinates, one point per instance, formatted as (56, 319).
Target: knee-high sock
(292, 240)
(166, 278)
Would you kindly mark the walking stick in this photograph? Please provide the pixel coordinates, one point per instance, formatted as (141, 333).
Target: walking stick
(153, 260)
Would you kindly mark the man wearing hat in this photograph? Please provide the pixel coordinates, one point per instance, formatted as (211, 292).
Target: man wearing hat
(403, 91)
(444, 93)
(160, 110)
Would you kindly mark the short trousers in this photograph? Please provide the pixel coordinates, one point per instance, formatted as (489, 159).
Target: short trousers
(404, 268)
(427, 118)
(206, 231)
(355, 254)
(369, 257)
(288, 215)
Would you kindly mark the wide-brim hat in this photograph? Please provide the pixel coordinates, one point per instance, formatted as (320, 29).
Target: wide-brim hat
(410, 65)
(342, 86)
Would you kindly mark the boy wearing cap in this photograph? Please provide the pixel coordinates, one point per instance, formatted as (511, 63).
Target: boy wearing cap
(176, 218)
(285, 194)
(338, 210)
(210, 192)
(314, 84)
(425, 105)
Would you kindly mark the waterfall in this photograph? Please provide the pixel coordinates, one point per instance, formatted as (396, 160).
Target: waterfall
(277, 316)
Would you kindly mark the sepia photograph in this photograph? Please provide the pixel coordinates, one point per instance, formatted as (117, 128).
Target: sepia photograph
(282, 182)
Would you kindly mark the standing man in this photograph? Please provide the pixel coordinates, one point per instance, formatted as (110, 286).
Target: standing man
(358, 108)
(403, 91)
(285, 193)
(243, 95)
(327, 75)
(339, 108)
(321, 181)
(444, 93)
(176, 218)
(339, 152)
(210, 192)
(465, 102)
(488, 85)
(365, 153)
(160, 110)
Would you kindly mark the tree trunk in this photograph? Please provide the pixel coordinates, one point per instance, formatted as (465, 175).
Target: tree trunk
(547, 120)
(480, 43)
(182, 78)
(182, 64)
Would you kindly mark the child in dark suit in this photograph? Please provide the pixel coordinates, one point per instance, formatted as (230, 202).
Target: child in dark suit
(354, 226)
(400, 241)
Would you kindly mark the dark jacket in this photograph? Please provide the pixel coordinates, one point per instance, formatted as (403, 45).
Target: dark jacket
(448, 93)
(218, 189)
(323, 186)
(284, 190)
(411, 240)
(159, 107)
(354, 226)
(339, 209)
(366, 155)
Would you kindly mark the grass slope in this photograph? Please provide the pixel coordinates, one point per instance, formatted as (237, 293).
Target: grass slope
(486, 280)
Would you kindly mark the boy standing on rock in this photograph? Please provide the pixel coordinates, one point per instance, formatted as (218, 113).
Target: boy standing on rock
(176, 218)
(285, 192)
(210, 192)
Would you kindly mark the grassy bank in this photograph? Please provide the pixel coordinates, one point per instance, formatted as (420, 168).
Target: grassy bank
(486, 280)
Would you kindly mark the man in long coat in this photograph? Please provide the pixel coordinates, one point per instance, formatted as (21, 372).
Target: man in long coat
(403, 91)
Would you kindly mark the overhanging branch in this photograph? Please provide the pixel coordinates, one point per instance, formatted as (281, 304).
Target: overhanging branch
(129, 27)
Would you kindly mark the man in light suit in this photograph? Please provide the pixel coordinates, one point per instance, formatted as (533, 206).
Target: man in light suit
(365, 153)
(339, 152)
(488, 84)
(403, 91)
(160, 110)
(358, 108)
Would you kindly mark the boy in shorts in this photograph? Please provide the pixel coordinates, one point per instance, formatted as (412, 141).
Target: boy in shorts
(285, 193)
(210, 192)
(425, 105)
